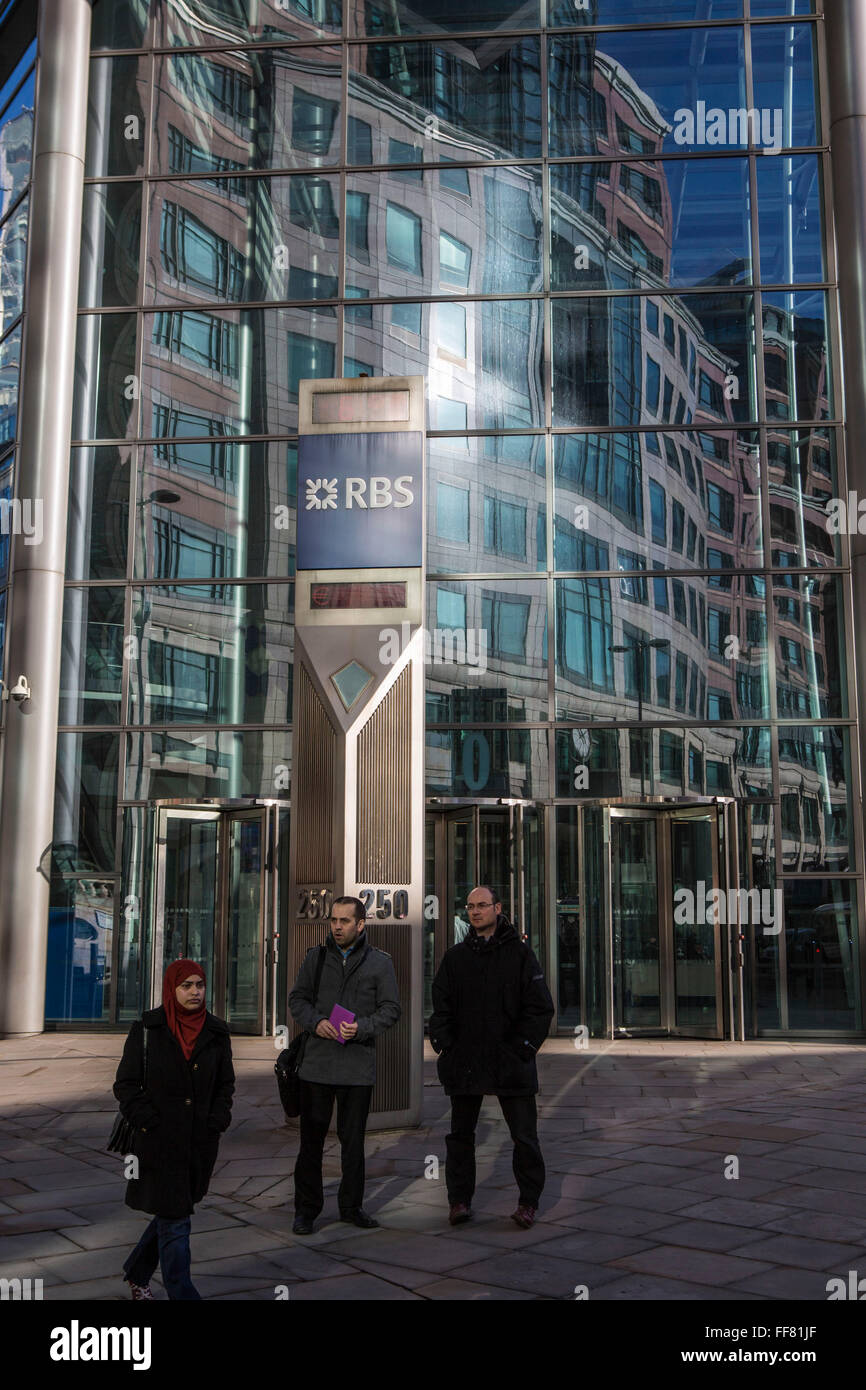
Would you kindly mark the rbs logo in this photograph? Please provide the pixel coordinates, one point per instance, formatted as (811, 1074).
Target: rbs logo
(324, 493)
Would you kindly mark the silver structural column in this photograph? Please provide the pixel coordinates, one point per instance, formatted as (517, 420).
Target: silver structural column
(36, 584)
(846, 74)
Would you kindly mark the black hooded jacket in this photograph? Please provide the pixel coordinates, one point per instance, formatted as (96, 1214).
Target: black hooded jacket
(491, 1013)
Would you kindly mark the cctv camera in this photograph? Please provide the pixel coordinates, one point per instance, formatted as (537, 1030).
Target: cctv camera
(20, 690)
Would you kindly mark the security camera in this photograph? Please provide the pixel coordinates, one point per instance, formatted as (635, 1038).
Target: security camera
(20, 690)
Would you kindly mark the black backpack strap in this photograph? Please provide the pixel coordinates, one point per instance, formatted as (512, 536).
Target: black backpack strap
(319, 968)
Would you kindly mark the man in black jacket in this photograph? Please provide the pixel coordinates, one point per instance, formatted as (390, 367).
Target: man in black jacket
(491, 1012)
(339, 1067)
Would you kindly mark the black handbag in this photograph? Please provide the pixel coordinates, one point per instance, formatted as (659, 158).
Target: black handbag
(288, 1064)
(124, 1134)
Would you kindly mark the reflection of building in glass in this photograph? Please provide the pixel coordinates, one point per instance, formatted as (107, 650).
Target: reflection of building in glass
(633, 430)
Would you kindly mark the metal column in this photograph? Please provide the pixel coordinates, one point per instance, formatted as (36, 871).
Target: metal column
(37, 572)
(846, 82)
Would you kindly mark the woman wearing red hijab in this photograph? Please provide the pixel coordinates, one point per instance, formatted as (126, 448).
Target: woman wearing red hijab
(180, 1102)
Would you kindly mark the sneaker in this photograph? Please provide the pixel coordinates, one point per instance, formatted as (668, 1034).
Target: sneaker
(524, 1216)
(140, 1292)
(459, 1212)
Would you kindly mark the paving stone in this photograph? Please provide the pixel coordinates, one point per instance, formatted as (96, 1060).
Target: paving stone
(351, 1288)
(733, 1210)
(463, 1290)
(537, 1274)
(707, 1235)
(31, 1246)
(647, 1287)
(801, 1252)
(393, 1274)
(111, 1289)
(786, 1284)
(596, 1246)
(822, 1225)
(702, 1266)
(436, 1253)
(653, 1198)
(17, 1223)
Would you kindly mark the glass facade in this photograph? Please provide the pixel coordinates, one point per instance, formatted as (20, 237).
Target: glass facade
(600, 232)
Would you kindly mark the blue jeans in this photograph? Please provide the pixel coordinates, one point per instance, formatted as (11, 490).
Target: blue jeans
(165, 1243)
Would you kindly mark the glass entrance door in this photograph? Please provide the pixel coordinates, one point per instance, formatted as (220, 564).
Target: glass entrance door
(214, 904)
(665, 922)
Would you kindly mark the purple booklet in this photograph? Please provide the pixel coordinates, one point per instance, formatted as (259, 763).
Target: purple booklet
(340, 1015)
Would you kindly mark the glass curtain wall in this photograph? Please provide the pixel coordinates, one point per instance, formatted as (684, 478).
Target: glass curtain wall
(600, 232)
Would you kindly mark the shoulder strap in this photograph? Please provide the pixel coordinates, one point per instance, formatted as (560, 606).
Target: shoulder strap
(144, 1077)
(319, 968)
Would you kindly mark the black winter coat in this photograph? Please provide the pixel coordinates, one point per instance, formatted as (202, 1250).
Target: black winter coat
(180, 1116)
(491, 1013)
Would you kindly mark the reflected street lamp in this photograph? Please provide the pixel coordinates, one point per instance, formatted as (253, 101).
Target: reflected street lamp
(639, 645)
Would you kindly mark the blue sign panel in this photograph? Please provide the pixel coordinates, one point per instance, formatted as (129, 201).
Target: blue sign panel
(360, 500)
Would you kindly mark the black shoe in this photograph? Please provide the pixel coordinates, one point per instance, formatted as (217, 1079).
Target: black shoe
(359, 1218)
(303, 1225)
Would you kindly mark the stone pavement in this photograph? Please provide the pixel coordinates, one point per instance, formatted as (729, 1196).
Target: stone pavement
(638, 1137)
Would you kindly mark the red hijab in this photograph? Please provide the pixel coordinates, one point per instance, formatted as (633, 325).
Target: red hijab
(185, 1025)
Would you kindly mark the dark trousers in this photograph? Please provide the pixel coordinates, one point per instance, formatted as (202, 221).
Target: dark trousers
(165, 1243)
(527, 1163)
(317, 1104)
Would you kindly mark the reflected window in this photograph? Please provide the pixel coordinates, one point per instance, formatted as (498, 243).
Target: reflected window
(313, 121)
(658, 513)
(504, 527)
(311, 205)
(584, 632)
(451, 326)
(308, 357)
(451, 606)
(357, 218)
(455, 258)
(455, 180)
(506, 621)
(452, 515)
(205, 339)
(407, 316)
(403, 238)
(195, 254)
(401, 152)
(359, 148)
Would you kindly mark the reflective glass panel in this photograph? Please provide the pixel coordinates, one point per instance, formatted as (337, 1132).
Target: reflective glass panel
(482, 361)
(574, 12)
(815, 794)
(807, 518)
(790, 203)
(784, 74)
(638, 92)
(199, 763)
(689, 500)
(105, 398)
(703, 372)
(231, 373)
(110, 242)
(13, 257)
(16, 139)
(92, 656)
(266, 108)
(810, 646)
(487, 658)
(231, 240)
(621, 655)
(674, 222)
(377, 17)
(483, 98)
(98, 517)
(85, 803)
(223, 656)
(78, 966)
(244, 19)
(677, 762)
(10, 362)
(486, 507)
(117, 113)
(797, 372)
(219, 510)
(489, 242)
(821, 945)
(487, 762)
(119, 26)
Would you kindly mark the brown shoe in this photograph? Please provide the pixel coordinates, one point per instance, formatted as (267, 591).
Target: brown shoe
(524, 1217)
(459, 1213)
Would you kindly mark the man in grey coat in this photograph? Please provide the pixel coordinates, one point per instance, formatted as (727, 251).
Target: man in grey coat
(339, 1066)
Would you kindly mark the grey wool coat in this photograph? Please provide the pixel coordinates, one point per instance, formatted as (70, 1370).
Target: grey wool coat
(366, 985)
